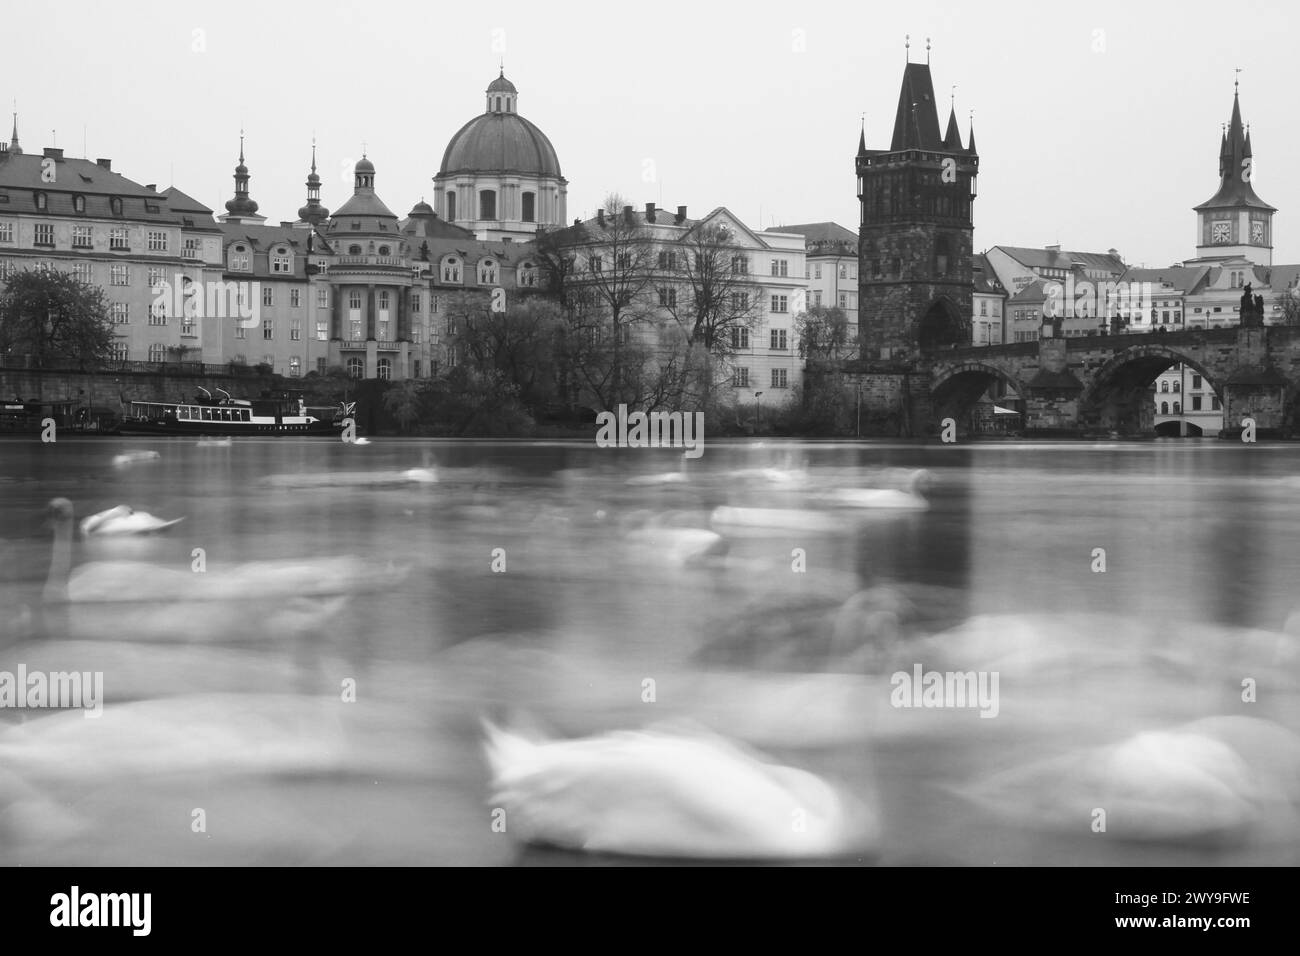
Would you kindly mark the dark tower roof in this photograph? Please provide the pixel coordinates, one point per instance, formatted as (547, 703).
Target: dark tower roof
(1234, 189)
(952, 139)
(241, 205)
(971, 147)
(916, 124)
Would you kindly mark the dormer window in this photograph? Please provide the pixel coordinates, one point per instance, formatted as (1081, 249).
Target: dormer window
(281, 260)
(527, 274)
(42, 201)
(78, 203)
(451, 269)
(487, 272)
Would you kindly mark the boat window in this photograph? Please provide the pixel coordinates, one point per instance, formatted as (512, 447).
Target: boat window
(207, 414)
(246, 415)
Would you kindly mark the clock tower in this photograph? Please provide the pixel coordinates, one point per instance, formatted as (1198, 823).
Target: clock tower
(1234, 222)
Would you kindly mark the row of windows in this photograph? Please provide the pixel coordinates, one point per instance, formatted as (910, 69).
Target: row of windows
(83, 237)
(846, 271)
(740, 379)
(1197, 405)
(42, 202)
(487, 205)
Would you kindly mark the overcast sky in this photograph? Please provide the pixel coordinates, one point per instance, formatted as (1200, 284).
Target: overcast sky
(1097, 124)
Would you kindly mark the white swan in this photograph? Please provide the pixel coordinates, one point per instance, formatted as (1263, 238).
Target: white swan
(763, 520)
(907, 499)
(124, 520)
(134, 457)
(1188, 783)
(669, 795)
(681, 546)
(215, 442)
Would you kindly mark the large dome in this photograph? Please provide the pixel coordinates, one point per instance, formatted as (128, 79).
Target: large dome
(500, 143)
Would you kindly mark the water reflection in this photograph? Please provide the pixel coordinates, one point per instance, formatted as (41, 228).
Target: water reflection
(318, 688)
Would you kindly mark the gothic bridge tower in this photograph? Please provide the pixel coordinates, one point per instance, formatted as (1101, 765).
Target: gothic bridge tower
(914, 270)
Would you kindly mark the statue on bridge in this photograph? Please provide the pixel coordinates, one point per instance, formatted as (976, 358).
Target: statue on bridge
(1252, 308)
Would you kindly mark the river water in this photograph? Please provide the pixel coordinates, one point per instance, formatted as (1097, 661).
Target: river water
(1118, 590)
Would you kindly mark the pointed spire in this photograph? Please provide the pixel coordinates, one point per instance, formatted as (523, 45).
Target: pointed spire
(241, 205)
(971, 148)
(862, 137)
(13, 142)
(313, 212)
(1247, 152)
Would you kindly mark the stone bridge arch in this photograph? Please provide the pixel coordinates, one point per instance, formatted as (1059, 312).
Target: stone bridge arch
(1116, 396)
(956, 386)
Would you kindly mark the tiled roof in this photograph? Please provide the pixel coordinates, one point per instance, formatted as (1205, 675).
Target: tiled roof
(20, 180)
(819, 232)
(1064, 259)
(1182, 278)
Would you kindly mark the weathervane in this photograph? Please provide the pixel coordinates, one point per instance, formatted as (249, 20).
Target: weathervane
(927, 50)
(907, 46)
(952, 97)
(1235, 80)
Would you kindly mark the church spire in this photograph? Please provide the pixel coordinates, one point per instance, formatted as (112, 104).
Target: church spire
(13, 142)
(862, 137)
(242, 206)
(313, 212)
(971, 148)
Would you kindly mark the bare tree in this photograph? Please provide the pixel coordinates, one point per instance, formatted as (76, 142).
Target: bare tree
(823, 334)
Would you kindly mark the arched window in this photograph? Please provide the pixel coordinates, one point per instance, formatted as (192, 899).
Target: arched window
(42, 201)
(354, 250)
(356, 367)
(450, 269)
(1164, 408)
(115, 204)
(354, 300)
(157, 353)
(79, 203)
(1164, 386)
(527, 277)
(487, 272)
(1178, 386)
(487, 204)
(451, 205)
(530, 207)
(384, 369)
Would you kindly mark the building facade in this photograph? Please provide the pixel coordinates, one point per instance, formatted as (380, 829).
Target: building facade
(831, 267)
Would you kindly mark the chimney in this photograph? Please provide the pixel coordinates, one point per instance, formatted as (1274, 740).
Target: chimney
(1056, 248)
(600, 215)
(577, 222)
(105, 164)
(649, 212)
(152, 187)
(627, 213)
(681, 215)
(53, 152)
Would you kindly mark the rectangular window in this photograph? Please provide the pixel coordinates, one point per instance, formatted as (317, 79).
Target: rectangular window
(1214, 403)
(6, 232)
(119, 275)
(191, 250)
(739, 302)
(268, 295)
(433, 303)
(295, 330)
(280, 264)
(817, 271)
(321, 365)
(155, 278)
(780, 267)
(355, 328)
(668, 297)
(121, 312)
(81, 238)
(268, 328)
(779, 303)
(742, 378)
(844, 300)
(120, 350)
(817, 297)
(322, 330)
(44, 234)
(740, 265)
(984, 307)
(740, 338)
(239, 262)
(295, 366)
(778, 338)
(117, 238)
(157, 241)
(158, 314)
(1196, 403)
(295, 298)
(82, 271)
(415, 302)
(778, 378)
(1196, 382)
(322, 298)
(240, 331)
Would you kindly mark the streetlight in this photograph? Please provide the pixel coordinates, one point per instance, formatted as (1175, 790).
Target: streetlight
(758, 411)
(858, 430)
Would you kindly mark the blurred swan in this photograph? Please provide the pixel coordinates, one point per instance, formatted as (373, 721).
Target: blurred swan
(1185, 784)
(124, 520)
(681, 546)
(134, 457)
(360, 441)
(909, 499)
(766, 520)
(660, 794)
(215, 442)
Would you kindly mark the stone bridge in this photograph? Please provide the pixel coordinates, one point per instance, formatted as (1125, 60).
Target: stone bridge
(1093, 384)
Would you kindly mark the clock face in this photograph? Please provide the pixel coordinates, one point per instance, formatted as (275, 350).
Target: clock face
(1257, 232)
(1222, 231)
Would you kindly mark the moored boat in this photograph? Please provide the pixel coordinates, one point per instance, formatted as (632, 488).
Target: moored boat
(283, 414)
